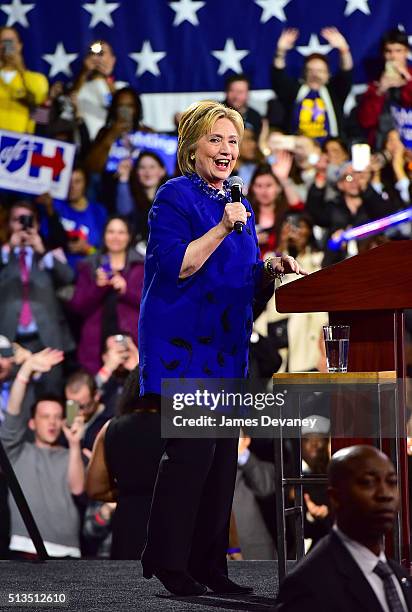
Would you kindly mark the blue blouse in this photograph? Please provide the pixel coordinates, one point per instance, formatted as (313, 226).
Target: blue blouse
(198, 327)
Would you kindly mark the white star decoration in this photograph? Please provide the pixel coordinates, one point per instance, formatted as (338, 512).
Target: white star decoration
(60, 61)
(16, 12)
(230, 57)
(272, 8)
(357, 5)
(147, 59)
(314, 46)
(186, 10)
(101, 12)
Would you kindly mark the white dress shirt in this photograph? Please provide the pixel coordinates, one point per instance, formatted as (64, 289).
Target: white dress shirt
(367, 561)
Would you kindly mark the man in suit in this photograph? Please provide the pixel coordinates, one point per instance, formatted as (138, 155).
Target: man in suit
(30, 312)
(348, 569)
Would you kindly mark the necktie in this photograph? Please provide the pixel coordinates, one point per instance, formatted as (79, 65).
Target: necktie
(26, 315)
(384, 572)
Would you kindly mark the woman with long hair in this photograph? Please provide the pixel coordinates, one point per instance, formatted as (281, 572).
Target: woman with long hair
(107, 293)
(136, 189)
(272, 197)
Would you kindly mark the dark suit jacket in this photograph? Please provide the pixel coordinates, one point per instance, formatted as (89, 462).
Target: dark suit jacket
(286, 89)
(51, 322)
(329, 580)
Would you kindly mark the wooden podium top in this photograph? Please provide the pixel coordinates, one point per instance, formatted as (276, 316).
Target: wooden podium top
(308, 378)
(379, 279)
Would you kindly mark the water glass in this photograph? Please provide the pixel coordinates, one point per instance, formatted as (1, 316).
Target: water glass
(337, 347)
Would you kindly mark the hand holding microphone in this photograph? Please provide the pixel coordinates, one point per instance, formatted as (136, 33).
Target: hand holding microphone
(237, 210)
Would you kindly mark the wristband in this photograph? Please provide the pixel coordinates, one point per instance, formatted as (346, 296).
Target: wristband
(271, 271)
(100, 520)
(22, 379)
(104, 372)
(230, 551)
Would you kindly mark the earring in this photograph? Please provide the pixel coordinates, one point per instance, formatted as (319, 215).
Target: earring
(193, 156)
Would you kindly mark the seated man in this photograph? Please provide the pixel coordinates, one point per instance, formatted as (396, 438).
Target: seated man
(48, 473)
(348, 569)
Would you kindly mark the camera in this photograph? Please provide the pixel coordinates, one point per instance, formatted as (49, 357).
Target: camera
(26, 221)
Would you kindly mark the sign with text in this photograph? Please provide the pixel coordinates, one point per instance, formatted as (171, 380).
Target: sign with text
(35, 165)
(131, 145)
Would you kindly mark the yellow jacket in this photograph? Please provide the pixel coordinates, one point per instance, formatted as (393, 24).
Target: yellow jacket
(14, 115)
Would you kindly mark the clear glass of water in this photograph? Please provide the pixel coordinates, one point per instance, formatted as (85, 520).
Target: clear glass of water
(337, 347)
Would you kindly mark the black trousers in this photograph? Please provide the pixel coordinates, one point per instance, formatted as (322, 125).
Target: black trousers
(189, 520)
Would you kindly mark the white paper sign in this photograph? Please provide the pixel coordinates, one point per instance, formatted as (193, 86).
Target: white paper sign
(36, 165)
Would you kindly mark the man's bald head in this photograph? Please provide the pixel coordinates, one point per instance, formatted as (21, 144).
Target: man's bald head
(346, 460)
(363, 492)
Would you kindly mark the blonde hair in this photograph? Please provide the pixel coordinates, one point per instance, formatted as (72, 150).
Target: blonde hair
(197, 121)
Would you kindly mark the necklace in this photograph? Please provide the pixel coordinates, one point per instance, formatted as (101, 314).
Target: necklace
(214, 194)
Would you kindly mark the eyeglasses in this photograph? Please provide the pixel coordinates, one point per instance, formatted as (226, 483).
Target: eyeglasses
(87, 405)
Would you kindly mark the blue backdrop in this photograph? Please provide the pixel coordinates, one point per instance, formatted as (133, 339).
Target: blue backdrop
(192, 45)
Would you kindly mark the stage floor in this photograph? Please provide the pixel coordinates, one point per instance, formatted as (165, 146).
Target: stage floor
(118, 586)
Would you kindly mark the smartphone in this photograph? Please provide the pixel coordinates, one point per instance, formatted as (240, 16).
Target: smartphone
(125, 113)
(361, 157)
(282, 142)
(106, 266)
(8, 46)
(96, 48)
(121, 339)
(390, 69)
(72, 410)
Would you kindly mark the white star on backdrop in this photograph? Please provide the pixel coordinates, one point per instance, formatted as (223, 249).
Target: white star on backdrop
(147, 59)
(356, 5)
(16, 12)
(60, 60)
(313, 46)
(230, 57)
(186, 10)
(101, 12)
(272, 8)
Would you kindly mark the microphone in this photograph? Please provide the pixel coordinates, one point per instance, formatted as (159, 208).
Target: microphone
(236, 184)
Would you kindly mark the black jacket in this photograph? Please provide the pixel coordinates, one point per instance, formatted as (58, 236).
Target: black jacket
(329, 579)
(286, 89)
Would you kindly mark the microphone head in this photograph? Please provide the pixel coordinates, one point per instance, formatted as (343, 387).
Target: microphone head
(236, 181)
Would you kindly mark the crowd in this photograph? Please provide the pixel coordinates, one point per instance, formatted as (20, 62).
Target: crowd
(71, 277)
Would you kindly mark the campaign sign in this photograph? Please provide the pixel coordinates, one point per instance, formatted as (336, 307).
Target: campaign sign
(32, 164)
(403, 123)
(131, 145)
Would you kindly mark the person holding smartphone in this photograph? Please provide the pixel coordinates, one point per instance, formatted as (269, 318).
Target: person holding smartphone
(21, 90)
(95, 85)
(107, 293)
(387, 102)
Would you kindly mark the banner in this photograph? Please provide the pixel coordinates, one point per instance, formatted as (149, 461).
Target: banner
(35, 165)
(131, 145)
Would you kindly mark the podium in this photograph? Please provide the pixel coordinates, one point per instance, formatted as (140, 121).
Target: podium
(369, 292)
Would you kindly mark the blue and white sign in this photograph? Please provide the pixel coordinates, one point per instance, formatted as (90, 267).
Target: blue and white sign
(35, 165)
(131, 145)
(403, 122)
